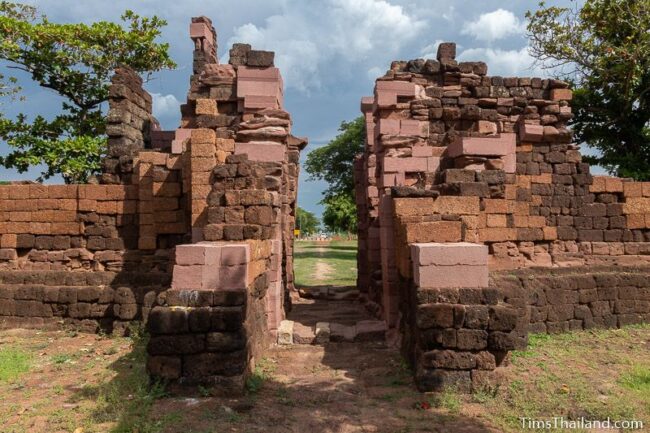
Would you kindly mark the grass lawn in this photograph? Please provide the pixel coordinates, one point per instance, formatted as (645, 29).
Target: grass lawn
(325, 263)
(592, 374)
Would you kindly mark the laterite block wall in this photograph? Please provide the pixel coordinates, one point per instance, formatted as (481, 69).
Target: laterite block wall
(454, 156)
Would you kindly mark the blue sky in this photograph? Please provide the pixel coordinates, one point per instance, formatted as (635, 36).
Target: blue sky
(329, 51)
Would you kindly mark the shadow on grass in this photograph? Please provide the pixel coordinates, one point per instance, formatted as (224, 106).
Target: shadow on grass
(327, 255)
(128, 398)
(328, 247)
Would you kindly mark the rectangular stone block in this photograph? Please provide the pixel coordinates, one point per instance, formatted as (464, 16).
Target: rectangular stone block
(434, 276)
(482, 146)
(262, 151)
(456, 205)
(449, 254)
(234, 254)
(204, 253)
(405, 165)
(561, 94)
(636, 205)
(435, 231)
(261, 101)
(528, 132)
(413, 206)
(402, 88)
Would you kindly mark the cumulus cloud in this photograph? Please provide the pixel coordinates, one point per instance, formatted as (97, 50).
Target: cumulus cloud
(165, 108)
(504, 62)
(307, 37)
(494, 25)
(431, 50)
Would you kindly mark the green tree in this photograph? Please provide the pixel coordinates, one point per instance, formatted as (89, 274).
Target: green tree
(76, 61)
(603, 49)
(340, 214)
(334, 163)
(306, 221)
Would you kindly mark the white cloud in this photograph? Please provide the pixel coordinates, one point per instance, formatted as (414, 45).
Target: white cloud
(494, 25)
(507, 63)
(165, 106)
(375, 72)
(308, 37)
(431, 50)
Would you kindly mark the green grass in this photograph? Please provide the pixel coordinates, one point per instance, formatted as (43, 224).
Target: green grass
(13, 363)
(128, 399)
(340, 256)
(595, 374)
(263, 371)
(637, 379)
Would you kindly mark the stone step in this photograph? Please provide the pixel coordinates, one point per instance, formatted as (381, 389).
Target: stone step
(331, 293)
(290, 332)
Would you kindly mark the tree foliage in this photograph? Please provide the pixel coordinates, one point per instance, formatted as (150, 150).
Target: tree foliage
(334, 163)
(76, 61)
(340, 214)
(603, 49)
(307, 222)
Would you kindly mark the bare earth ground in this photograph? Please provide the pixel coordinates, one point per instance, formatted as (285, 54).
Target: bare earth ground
(86, 383)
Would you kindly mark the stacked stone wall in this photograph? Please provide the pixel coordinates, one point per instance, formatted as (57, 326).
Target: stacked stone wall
(160, 238)
(573, 299)
(241, 183)
(456, 157)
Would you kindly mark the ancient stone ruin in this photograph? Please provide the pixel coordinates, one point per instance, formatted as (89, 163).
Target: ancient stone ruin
(478, 222)
(464, 175)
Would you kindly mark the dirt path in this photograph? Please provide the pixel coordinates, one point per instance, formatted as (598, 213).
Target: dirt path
(323, 269)
(340, 388)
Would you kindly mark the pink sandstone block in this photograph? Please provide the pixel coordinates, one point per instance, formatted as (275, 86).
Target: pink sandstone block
(413, 127)
(418, 151)
(261, 151)
(389, 126)
(233, 277)
(433, 276)
(267, 74)
(373, 191)
(510, 163)
(449, 254)
(234, 254)
(200, 30)
(177, 147)
(187, 277)
(405, 165)
(483, 146)
(433, 163)
(211, 277)
(386, 98)
(367, 103)
(402, 88)
(188, 255)
(195, 277)
(182, 134)
(528, 132)
(258, 88)
(257, 101)
(206, 253)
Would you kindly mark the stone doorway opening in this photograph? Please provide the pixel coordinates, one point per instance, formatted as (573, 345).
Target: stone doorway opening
(326, 305)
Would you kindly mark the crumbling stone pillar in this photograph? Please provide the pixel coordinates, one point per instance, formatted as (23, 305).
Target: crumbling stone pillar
(241, 174)
(204, 37)
(129, 124)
